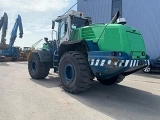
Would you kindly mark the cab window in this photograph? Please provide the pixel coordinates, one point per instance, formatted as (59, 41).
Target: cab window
(62, 28)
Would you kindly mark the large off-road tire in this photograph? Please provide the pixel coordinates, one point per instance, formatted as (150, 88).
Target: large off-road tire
(111, 81)
(36, 68)
(75, 73)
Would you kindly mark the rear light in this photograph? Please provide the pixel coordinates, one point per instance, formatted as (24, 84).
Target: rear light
(120, 54)
(113, 53)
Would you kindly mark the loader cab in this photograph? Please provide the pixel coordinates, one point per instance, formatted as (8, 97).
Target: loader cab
(67, 23)
(63, 30)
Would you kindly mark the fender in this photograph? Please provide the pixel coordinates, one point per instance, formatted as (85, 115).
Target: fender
(45, 55)
(78, 45)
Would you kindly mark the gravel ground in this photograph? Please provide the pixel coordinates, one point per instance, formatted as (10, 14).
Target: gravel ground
(22, 98)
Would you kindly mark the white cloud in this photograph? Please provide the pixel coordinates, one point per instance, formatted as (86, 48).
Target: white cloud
(43, 29)
(36, 17)
(45, 5)
(26, 32)
(35, 5)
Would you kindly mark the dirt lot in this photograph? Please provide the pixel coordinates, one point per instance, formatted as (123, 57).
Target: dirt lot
(22, 98)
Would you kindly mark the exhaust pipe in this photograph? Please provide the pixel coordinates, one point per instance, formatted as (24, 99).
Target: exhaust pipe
(114, 19)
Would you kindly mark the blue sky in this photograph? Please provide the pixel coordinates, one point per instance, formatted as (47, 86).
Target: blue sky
(36, 17)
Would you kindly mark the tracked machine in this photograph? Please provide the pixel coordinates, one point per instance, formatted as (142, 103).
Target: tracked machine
(9, 50)
(84, 51)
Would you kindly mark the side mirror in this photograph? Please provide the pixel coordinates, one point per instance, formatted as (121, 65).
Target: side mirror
(53, 24)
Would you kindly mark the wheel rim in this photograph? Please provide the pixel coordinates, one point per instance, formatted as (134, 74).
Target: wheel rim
(69, 73)
(33, 66)
(147, 69)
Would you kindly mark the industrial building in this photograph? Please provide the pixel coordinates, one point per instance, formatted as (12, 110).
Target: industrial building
(143, 15)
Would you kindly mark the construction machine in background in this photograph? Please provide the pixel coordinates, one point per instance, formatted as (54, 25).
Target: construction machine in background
(3, 27)
(28, 50)
(23, 53)
(10, 50)
(84, 51)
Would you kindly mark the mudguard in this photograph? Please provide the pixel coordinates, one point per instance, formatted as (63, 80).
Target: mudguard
(78, 45)
(45, 55)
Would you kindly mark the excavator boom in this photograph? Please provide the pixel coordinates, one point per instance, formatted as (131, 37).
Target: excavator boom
(10, 50)
(4, 26)
(18, 24)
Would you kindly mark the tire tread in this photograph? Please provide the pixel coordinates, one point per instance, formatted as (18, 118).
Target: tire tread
(85, 76)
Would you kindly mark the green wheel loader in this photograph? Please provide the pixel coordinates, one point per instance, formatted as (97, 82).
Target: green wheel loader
(84, 51)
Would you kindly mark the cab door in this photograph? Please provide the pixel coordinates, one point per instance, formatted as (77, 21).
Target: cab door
(63, 30)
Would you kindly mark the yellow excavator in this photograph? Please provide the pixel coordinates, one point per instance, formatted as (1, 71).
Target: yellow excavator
(28, 50)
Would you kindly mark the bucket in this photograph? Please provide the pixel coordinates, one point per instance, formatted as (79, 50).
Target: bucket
(4, 46)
